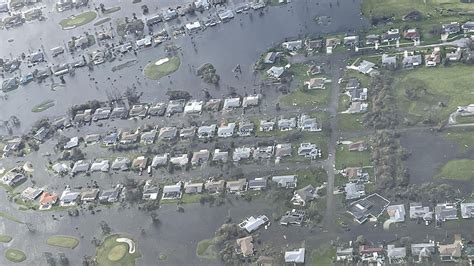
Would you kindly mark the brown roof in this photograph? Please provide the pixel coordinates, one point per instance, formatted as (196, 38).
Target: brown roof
(246, 245)
(48, 198)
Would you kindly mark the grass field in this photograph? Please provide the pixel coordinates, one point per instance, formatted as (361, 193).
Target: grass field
(43, 106)
(5, 239)
(155, 72)
(306, 98)
(110, 253)
(323, 256)
(15, 255)
(10, 217)
(350, 122)
(206, 250)
(465, 119)
(345, 158)
(186, 199)
(464, 138)
(449, 85)
(78, 20)
(462, 169)
(63, 241)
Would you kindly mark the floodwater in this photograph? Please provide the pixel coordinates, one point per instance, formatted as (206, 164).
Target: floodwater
(240, 41)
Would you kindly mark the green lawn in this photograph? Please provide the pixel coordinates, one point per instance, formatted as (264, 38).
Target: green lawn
(110, 253)
(10, 217)
(15, 255)
(306, 98)
(206, 250)
(462, 169)
(345, 158)
(450, 85)
(43, 106)
(5, 239)
(78, 20)
(155, 72)
(465, 119)
(464, 138)
(186, 199)
(63, 241)
(323, 256)
(350, 122)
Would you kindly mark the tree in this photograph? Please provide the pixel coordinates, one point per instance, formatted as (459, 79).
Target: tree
(360, 240)
(106, 230)
(154, 217)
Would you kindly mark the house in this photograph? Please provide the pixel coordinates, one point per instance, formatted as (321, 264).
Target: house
(140, 163)
(360, 145)
(89, 196)
(60, 69)
(451, 252)
(417, 211)
(69, 198)
(252, 224)
(60, 168)
(72, 143)
(175, 107)
(111, 195)
(372, 39)
(355, 174)
(276, 72)
(102, 166)
(352, 84)
(158, 109)
(396, 255)
(304, 195)
(411, 61)
(422, 251)
(468, 27)
(31, 193)
(110, 139)
(357, 107)
(434, 58)
(366, 67)
(283, 150)
(344, 254)
(121, 163)
(446, 211)
(371, 206)
(263, 152)
(193, 26)
(129, 137)
(389, 61)
(467, 210)
(148, 138)
(180, 160)
(285, 181)
(287, 124)
(139, 110)
(396, 213)
(193, 107)
(220, 156)
(187, 133)
(354, 191)
(270, 58)
(292, 45)
(214, 186)
(331, 44)
(41, 134)
(205, 132)
(79, 167)
(200, 157)
(160, 160)
(101, 113)
(236, 186)
(151, 191)
(314, 45)
(213, 105)
(468, 252)
(411, 34)
(267, 125)
(372, 255)
(251, 100)
(226, 131)
(316, 83)
(296, 256)
(259, 183)
(306, 123)
(119, 112)
(454, 55)
(245, 128)
(309, 150)
(293, 217)
(245, 246)
(172, 191)
(391, 35)
(193, 188)
(168, 133)
(451, 28)
(231, 103)
(241, 153)
(47, 200)
(351, 41)
(314, 70)
(225, 15)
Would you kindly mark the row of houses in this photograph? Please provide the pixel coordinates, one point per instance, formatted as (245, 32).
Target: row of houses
(418, 252)
(357, 96)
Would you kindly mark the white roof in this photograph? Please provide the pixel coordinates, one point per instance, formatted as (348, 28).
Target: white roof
(296, 256)
(193, 25)
(193, 107)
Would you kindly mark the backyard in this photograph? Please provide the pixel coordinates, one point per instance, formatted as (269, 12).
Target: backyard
(462, 169)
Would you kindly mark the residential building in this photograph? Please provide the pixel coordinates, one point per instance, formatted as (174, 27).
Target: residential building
(372, 255)
(276, 72)
(205, 132)
(451, 28)
(344, 254)
(200, 157)
(111, 195)
(121, 163)
(213, 104)
(119, 112)
(451, 252)
(148, 138)
(180, 160)
(357, 107)
(47, 200)
(454, 55)
(89, 196)
(468, 27)
(175, 106)
(101, 113)
(69, 198)
(396, 213)
(267, 125)
(72, 143)
(102, 166)
(360, 145)
(241, 153)
(372, 39)
(309, 150)
(396, 255)
(151, 191)
(446, 211)
(92, 139)
(160, 160)
(411, 34)
(168, 133)
(411, 61)
(236, 186)
(83, 116)
(422, 251)
(60, 168)
(129, 137)
(245, 246)
(226, 131)
(292, 45)
(251, 100)
(314, 45)
(417, 211)
(389, 61)
(158, 109)
(231, 103)
(270, 58)
(283, 150)
(286, 181)
(187, 133)
(287, 124)
(31, 193)
(316, 84)
(220, 156)
(354, 191)
(259, 183)
(434, 58)
(391, 35)
(193, 188)
(193, 107)
(172, 191)
(213, 186)
(293, 217)
(80, 167)
(467, 210)
(139, 163)
(304, 195)
(252, 224)
(245, 128)
(263, 152)
(110, 139)
(351, 41)
(296, 256)
(371, 206)
(306, 123)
